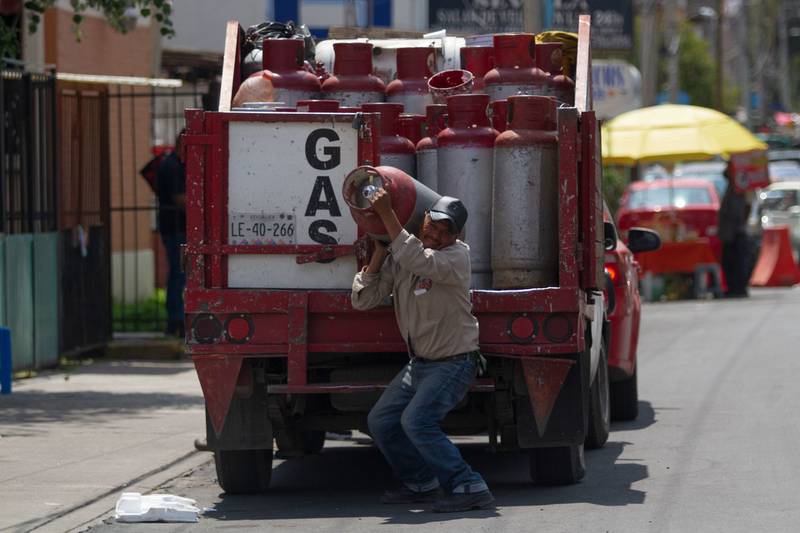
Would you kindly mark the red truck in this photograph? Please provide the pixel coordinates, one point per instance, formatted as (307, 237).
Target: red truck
(282, 356)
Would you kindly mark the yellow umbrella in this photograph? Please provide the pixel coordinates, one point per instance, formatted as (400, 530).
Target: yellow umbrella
(672, 133)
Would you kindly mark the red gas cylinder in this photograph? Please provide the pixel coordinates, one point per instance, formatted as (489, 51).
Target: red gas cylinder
(395, 150)
(549, 59)
(414, 67)
(464, 168)
(410, 198)
(498, 113)
(514, 69)
(448, 83)
(479, 60)
(313, 106)
(411, 127)
(352, 82)
(435, 115)
(283, 63)
(525, 199)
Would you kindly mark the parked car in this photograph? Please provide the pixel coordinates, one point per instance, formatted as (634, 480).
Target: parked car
(623, 311)
(775, 205)
(679, 209)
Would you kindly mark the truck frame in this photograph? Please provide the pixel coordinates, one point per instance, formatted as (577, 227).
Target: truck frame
(281, 366)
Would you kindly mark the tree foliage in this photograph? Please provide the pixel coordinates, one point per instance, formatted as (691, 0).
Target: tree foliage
(118, 13)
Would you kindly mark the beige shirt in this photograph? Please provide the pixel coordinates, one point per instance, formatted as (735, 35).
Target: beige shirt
(431, 296)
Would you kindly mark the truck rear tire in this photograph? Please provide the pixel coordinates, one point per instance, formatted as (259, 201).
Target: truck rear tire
(599, 406)
(560, 465)
(625, 399)
(243, 471)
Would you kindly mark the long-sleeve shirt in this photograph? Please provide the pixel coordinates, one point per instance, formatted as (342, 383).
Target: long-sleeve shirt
(431, 296)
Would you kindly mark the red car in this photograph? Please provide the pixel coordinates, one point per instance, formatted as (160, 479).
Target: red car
(623, 311)
(684, 211)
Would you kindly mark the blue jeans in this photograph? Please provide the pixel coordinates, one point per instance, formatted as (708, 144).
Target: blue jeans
(405, 425)
(176, 279)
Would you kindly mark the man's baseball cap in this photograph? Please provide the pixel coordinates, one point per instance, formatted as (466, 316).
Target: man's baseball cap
(451, 209)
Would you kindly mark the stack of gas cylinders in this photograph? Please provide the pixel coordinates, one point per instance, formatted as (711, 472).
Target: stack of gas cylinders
(491, 141)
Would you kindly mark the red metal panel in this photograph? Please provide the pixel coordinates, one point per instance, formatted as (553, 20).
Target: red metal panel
(298, 349)
(544, 377)
(568, 196)
(218, 375)
(591, 220)
(480, 385)
(195, 198)
(550, 300)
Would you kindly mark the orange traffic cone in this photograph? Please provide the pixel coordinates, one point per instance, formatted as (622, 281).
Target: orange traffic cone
(776, 266)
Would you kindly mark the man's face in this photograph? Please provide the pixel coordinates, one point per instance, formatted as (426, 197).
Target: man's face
(436, 234)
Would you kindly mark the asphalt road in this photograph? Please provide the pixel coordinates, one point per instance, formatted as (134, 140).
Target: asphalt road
(715, 448)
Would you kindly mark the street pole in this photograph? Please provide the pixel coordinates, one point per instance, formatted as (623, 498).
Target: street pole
(647, 57)
(532, 16)
(673, 47)
(744, 63)
(718, 95)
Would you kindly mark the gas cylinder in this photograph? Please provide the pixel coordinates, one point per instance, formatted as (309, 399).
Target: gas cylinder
(352, 82)
(414, 67)
(498, 113)
(343, 109)
(411, 127)
(426, 148)
(449, 83)
(514, 69)
(314, 106)
(479, 60)
(283, 64)
(395, 150)
(464, 161)
(549, 59)
(525, 199)
(410, 198)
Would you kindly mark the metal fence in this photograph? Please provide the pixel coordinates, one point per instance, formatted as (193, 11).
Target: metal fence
(27, 152)
(143, 121)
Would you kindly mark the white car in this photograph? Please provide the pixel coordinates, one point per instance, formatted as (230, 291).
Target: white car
(779, 204)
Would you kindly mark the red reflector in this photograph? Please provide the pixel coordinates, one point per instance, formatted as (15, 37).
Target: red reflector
(613, 273)
(238, 328)
(557, 328)
(206, 329)
(522, 328)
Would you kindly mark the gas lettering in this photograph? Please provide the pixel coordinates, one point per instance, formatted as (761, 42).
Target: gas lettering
(334, 153)
(323, 197)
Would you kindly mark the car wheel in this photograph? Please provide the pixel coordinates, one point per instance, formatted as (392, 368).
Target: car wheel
(599, 407)
(625, 399)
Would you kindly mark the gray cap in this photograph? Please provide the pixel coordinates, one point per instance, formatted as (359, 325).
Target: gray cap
(451, 209)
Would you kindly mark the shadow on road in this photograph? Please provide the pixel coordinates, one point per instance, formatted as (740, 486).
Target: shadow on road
(24, 408)
(346, 482)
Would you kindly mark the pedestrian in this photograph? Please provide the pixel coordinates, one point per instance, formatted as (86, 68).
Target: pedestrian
(733, 234)
(429, 278)
(171, 185)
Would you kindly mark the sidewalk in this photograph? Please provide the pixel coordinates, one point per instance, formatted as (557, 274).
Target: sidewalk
(72, 441)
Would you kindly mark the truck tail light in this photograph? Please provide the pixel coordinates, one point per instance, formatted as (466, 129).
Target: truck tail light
(239, 329)
(521, 328)
(557, 328)
(206, 328)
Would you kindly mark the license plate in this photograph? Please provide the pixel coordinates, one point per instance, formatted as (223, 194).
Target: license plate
(250, 228)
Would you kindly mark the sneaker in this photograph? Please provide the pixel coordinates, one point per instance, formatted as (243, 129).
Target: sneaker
(406, 495)
(453, 503)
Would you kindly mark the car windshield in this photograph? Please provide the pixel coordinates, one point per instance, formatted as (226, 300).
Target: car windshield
(777, 200)
(668, 196)
(784, 171)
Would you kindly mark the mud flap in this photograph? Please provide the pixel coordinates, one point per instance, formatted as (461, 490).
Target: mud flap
(554, 408)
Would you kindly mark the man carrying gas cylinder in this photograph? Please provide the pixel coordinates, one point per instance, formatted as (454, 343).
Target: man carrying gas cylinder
(429, 278)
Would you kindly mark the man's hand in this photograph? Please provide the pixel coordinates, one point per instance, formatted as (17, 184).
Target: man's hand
(381, 202)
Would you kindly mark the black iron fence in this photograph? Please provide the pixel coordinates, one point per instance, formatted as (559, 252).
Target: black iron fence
(28, 167)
